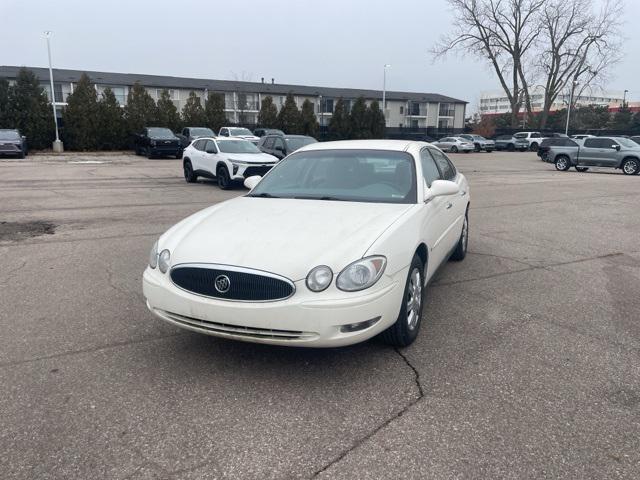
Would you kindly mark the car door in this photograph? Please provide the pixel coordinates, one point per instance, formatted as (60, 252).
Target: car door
(436, 218)
(456, 204)
(279, 148)
(594, 151)
(210, 156)
(610, 156)
(195, 154)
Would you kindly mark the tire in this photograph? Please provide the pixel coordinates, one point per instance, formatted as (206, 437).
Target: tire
(533, 147)
(562, 163)
(137, 150)
(511, 147)
(453, 149)
(149, 155)
(461, 248)
(21, 154)
(477, 148)
(581, 169)
(407, 326)
(630, 166)
(189, 174)
(179, 155)
(222, 175)
(488, 150)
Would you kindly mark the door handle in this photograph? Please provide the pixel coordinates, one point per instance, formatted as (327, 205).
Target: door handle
(449, 205)
(463, 193)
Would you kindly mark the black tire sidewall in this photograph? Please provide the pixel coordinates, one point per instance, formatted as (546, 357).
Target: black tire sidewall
(224, 182)
(567, 163)
(631, 160)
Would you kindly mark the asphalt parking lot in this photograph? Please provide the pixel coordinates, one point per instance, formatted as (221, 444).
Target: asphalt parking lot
(527, 365)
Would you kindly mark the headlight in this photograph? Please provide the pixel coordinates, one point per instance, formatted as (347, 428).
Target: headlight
(319, 278)
(153, 256)
(163, 260)
(361, 274)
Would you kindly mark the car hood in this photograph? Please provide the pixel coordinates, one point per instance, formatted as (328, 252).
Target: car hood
(252, 157)
(284, 236)
(11, 142)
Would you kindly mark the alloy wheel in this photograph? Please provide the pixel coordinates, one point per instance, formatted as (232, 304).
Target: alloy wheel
(414, 298)
(630, 167)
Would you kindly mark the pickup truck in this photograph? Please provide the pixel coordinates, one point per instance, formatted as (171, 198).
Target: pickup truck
(608, 152)
(189, 134)
(157, 142)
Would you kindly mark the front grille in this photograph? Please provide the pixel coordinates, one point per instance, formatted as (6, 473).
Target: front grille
(237, 330)
(251, 171)
(243, 284)
(9, 148)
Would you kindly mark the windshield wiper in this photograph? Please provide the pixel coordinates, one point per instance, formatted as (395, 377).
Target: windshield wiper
(263, 195)
(310, 197)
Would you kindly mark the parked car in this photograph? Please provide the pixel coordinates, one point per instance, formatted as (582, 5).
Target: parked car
(454, 145)
(547, 143)
(511, 143)
(261, 132)
(480, 142)
(555, 135)
(636, 139)
(157, 142)
(612, 152)
(581, 136)
(189, 134)
(334, 246)
(533, 139)
(282, 145)
(13, 143)
(239, 132)
(228, 160)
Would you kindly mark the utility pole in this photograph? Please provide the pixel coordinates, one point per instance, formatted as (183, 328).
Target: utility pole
(57, 144)
(573, 87)
(384, 93)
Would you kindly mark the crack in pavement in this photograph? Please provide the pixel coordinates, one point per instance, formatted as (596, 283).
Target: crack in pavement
(388, 421)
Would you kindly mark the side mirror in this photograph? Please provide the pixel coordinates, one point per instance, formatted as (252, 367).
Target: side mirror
(617, 147)
(441, 188)
(251, 182)
(24, 138)
(213, 150)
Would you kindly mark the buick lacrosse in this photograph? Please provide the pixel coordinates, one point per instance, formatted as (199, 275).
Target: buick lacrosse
(333, 246)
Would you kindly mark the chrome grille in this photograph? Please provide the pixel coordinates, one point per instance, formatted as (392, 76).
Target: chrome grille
(241, 284)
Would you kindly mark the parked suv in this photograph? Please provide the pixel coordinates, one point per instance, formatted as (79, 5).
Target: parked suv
(261, 132)
(511, 143)
(226, 159)
(612, 152)
(189, 134)
(480, 142)
(239, 132)
(533, 139)
(282, 145)
(157, 142)
(12, 143)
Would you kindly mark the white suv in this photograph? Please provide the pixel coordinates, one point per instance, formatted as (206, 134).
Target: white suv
(533, 138)
(228, 160)
(238, 132)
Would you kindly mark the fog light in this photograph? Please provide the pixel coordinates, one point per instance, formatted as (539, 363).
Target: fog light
(235, 169)
(355, 327)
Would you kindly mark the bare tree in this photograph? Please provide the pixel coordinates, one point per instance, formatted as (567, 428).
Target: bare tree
(577, 46)
(503, 32)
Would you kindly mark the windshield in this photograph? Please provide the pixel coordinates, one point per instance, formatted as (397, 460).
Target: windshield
(9, 135)
(505, 137)
(239, 131)
(625, 142)
(294, 143)
(520, 135)
(157, 132)
(201, 132)
(237, 146)
(347, 175)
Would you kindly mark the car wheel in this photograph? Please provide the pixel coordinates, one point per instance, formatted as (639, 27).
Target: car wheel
(477, 147)
(581, 169)
(488, 150)
(406, 327)
(179, 154)
(630, 166)
(222, 174)
(136, 150)
(149, 154)
(461, 249)
(562, 163)
(189, 174)
(21, 154)
(533, 147)
(511, 147)
(453, 149)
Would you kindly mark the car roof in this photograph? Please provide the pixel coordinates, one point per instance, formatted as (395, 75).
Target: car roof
(394, 145)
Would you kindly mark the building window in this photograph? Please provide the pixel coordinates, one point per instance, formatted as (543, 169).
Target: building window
(347, 105)
(401, 109)
(327, 105)
(447, 110)
(414, 108)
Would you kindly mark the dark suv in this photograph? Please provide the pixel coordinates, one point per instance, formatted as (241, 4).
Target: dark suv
(157, 142)
(282, 145)
(261, 132)
(189, 134)
(12, 143)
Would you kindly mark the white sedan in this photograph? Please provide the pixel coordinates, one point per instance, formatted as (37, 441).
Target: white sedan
(333, 246)
(228, 160)
(455, 145)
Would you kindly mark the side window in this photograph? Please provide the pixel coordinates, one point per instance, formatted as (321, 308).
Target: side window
(591, 143)
(268, 143)
(279, 142)
(224, 132)
(430, 171)
(536, 135)
(199, 145)
(209, 145)
(445, 166)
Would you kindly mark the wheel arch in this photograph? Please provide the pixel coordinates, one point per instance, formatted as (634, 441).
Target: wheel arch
(628, 157)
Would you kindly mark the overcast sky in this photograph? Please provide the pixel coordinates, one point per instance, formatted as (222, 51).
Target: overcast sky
(342, 43)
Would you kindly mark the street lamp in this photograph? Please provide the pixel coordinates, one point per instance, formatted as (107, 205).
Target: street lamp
(384, 92)
(624, 99)
(57, 144)
(573, 87)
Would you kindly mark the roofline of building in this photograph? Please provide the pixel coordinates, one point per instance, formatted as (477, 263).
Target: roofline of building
(160, 81)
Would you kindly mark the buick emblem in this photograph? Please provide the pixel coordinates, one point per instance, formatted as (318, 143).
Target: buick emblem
(222, 283)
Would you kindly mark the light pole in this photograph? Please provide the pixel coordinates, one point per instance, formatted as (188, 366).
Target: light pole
(573, 87)
(57, 144)
(624, 99)
(384, 92)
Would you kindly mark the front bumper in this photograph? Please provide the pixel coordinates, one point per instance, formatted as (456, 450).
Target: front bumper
(306, 319)
(240, 171)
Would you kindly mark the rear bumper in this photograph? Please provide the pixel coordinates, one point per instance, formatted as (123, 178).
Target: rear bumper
(306, 319)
